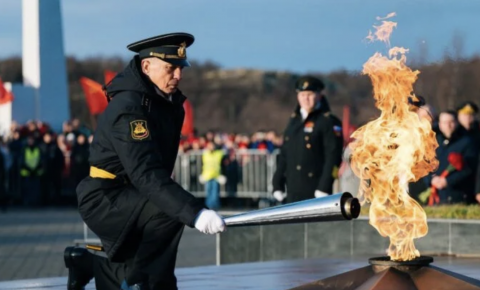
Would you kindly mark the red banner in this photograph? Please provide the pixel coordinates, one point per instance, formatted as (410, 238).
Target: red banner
(346, 125)
(187, 128)
(109, 75)
(5, 96)
(96, 99)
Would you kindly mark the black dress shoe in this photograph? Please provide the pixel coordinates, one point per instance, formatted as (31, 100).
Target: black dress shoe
(80, 267)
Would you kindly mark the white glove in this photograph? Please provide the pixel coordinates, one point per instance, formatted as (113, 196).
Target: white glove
(202, 179)
(209, 222)
(319, 193)
(221, 179)
(279, 195)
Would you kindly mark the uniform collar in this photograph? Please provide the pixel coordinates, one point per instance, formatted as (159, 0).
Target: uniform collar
(457, 134)
(174, 98)
(304, 114)
(162, 94)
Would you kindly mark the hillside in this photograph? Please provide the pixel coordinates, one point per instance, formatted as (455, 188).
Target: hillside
(245, 100)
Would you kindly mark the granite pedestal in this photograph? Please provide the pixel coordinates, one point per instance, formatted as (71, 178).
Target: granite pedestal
(276, 275)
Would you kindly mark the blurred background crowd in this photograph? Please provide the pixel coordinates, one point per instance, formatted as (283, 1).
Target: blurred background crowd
(40, 167)
(457, 179)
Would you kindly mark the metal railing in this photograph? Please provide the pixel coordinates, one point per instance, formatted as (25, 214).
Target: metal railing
(252, 177)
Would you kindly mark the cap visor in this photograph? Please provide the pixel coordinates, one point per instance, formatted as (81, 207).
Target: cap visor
(178, 62)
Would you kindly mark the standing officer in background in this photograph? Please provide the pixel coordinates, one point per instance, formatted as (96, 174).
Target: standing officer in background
(130, 200)
(466, 118)
(312, 149)
(466, 114)
(3, 178)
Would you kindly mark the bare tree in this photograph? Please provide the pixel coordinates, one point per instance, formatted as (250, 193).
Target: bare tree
(246, 100)
(456, 55)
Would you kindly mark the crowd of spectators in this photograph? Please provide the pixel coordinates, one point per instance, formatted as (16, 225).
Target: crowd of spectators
(40, 167)
(457, 179)
(261, 140)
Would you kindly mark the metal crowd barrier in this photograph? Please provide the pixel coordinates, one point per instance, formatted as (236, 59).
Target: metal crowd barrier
(254, 175)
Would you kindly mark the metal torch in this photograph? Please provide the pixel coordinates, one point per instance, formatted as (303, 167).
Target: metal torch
(336, 207)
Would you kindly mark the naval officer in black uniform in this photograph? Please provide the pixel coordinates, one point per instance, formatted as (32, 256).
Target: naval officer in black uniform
(466, 114)
(130, 200)
(312, 150)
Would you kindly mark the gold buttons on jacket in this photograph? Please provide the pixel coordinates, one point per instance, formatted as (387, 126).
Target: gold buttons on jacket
(286, 138)
(307, 138)
(310, 174)
(299, 167)
(309, 146)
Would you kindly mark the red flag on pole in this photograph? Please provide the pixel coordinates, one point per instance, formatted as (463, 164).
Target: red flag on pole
(109, 75)
(96, 99)
(5, 96)
(187, 128)
(346, 124)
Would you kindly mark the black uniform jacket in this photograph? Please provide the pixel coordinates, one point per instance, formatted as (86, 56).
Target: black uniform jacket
(310, 154)
(474, 134)
(136, 140)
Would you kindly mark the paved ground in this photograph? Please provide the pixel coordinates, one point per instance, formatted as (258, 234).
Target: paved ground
(282, 275)
(32, 243)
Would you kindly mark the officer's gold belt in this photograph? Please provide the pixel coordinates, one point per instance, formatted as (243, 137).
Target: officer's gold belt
(96, 172)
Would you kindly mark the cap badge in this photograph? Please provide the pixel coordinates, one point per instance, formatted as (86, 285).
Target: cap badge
(468, 109)
(181, 50)
(305, 85)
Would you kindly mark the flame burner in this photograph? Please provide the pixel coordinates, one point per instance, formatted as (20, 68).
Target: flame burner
(404, 266)
(384, 273)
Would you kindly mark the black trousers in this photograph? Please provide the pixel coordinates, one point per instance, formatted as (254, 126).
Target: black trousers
(149, 253)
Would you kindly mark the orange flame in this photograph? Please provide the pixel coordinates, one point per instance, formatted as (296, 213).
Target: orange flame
(383, 31)
(393, 150)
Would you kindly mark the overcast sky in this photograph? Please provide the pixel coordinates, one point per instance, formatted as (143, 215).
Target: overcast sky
(293, 35)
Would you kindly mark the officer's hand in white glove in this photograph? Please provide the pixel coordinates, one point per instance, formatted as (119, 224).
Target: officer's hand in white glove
(279, 195)
(209, 222)
(319, 193)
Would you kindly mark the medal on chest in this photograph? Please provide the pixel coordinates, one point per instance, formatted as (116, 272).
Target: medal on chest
(308, 128)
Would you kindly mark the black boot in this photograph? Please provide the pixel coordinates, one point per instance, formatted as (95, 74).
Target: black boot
(80, 267)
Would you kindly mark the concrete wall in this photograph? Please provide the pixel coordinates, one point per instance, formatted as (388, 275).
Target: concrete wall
(339, 239)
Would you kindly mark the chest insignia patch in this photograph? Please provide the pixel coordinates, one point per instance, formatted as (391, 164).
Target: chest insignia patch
(139, 129)
(337, 130)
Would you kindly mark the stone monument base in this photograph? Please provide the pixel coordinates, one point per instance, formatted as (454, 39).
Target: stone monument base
(279, 275)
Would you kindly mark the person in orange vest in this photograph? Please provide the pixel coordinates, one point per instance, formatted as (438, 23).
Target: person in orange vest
(31, 169)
